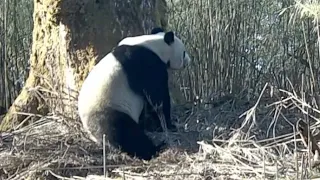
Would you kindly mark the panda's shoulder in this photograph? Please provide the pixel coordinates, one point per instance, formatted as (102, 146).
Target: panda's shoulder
(131, 54)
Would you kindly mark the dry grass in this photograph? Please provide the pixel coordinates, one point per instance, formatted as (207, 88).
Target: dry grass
(216, 144)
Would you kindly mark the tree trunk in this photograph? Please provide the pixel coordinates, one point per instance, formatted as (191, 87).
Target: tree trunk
(69, 36)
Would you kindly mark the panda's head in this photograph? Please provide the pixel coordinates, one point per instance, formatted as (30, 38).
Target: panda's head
(166, 45)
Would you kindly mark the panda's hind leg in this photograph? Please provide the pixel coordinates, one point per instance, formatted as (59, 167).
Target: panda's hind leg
(122, 131)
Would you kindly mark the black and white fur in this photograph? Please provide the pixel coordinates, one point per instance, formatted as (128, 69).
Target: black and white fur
(112, 96)
(149, 119)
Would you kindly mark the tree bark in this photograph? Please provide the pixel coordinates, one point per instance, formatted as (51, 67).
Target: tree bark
(69, 37)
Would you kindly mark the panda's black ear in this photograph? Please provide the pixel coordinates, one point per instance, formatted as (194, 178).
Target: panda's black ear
(169, 37)
(156, 30)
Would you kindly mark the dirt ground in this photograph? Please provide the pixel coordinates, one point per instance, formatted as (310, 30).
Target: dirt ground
(236, 139)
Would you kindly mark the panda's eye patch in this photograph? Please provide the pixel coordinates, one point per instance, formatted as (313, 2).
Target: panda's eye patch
(184, 54)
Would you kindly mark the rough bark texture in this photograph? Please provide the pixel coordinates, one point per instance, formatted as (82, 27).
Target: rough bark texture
(68, 38)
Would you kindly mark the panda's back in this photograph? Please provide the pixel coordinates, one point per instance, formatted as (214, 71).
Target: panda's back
(107, 86)
(120, 79)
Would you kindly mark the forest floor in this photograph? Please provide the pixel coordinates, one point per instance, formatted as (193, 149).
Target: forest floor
(239, 138)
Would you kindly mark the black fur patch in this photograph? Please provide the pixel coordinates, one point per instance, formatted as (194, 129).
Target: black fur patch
(146, 72)
(123, 132)
(169, 37)
(149, 119)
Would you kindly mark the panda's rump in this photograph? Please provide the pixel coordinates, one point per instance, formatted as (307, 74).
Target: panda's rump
(122, 132)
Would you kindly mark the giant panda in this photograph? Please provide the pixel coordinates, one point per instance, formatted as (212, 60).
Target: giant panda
(112, 96)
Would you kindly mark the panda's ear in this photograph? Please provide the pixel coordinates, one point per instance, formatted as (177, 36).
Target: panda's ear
(156, 30)
(169, 37)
